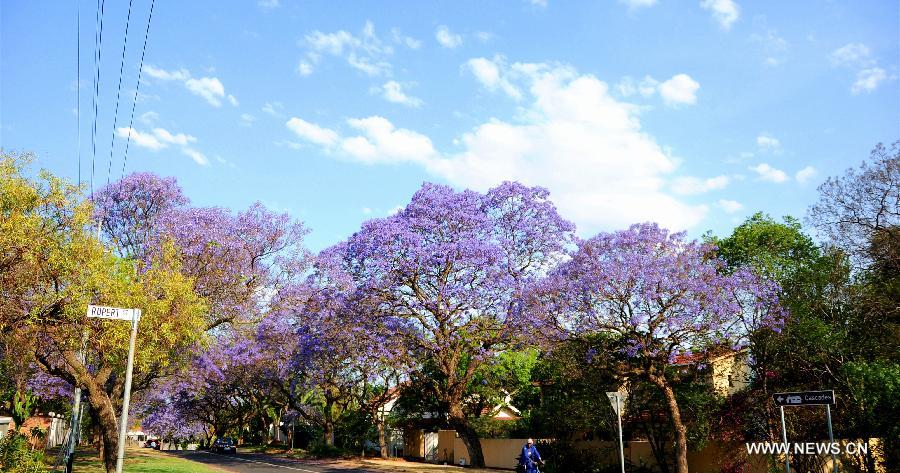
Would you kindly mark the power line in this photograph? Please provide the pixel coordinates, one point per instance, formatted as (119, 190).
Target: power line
(137, 88)
(98, 45)
(78, 85)
(112, 142)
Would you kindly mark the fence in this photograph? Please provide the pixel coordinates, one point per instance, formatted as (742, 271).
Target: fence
(502, 453)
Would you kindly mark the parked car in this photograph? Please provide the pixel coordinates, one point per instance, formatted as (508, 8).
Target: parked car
(224, 445)
(152, 443)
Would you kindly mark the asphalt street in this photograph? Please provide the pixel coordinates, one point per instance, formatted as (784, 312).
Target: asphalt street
(259, 463)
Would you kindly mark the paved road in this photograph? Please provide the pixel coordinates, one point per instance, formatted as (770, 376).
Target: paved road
(259, 463)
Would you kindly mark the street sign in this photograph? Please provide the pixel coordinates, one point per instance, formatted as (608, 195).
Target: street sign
(104, 312)
(612, 400)
(804, 398)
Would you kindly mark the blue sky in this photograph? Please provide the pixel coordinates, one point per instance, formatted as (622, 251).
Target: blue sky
(691, 113)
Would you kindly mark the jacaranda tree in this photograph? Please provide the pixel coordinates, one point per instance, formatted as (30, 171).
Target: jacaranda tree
(330, 355)
(453, 266)
(663, 296)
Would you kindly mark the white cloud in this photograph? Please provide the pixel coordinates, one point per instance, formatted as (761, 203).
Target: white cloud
(247, 119)
(770, 174)
(692, 185)
(210, 88)
(311, 132)
(484, 36)
(160, 138)
(539, 3)
(488, 73)
(408, 41)
(273, 108)
(156, 139)
(858, 56)
(852, 55)
(365, 52)
(726, 12)
(366, 211)
(148, 118)
(447, 38)
(268, 4)
(635, 4)
(197, 156)
(773, 47)
(392, 91)
(679, 90)
(304, 68)
(768, 143)
(177, 139)
(382, 142)
(867, 80)
(366, 65)
(646, 87)
(572, 137)
(144, 140)
(289, 144)
(161, 74)
(730, 206)
(805, 174)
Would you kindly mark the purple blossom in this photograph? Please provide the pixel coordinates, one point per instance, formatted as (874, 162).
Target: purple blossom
(663, 294)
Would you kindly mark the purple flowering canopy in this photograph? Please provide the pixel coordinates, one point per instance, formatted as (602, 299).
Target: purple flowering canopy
(664, 295)
(452, 266)
(213, 394)
(235, 259)
(130, 208)
(327, 353)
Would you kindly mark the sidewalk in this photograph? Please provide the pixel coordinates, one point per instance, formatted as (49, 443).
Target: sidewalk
(402, 466)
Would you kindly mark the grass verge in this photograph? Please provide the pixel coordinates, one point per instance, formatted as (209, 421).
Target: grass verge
(141, 460)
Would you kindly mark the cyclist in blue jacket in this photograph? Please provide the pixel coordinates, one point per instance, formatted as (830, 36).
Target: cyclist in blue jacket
(530, 457)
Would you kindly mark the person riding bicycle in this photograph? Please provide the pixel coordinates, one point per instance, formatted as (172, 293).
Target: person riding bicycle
(530, 457)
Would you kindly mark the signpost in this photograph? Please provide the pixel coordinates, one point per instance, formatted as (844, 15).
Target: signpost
(806, 398)
(116, 313)
(617, 399)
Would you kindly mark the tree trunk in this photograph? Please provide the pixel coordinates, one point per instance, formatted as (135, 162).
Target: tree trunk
(382, 438)
(468, 435)
(328, 420)
(107, 425)
(329, 432)
(681, 462)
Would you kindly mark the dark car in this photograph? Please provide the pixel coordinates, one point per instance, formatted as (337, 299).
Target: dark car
(152, 443)
(224, 445)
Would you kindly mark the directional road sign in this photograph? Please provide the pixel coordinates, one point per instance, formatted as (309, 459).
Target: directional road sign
(804, 398)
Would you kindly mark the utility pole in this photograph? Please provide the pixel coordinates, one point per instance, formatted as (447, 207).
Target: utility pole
(77, 408)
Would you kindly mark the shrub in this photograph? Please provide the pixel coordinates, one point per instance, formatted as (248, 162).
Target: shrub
(16, 455)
